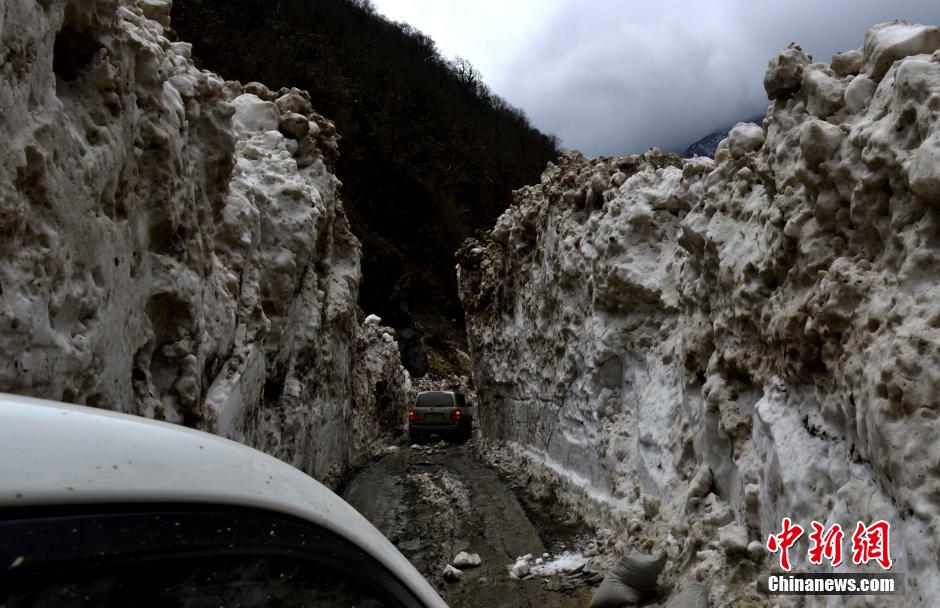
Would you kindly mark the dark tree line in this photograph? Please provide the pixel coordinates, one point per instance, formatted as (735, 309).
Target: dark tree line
(428, 154)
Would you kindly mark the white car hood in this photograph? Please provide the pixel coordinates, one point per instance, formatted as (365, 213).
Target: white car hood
(52, 453)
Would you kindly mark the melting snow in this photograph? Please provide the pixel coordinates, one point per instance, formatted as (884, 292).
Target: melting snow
(564, 562)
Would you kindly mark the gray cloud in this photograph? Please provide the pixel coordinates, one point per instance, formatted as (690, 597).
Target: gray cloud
(613, 77)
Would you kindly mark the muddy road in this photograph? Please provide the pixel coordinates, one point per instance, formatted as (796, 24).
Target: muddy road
(434, 500)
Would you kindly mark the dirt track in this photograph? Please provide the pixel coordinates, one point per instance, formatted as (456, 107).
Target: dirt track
(435, 500)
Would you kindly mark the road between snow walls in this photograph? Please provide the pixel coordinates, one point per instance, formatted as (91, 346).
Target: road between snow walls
(685, 352)
(174, 245)
(469, 533)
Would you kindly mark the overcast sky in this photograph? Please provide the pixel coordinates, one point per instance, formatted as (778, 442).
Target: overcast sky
(616, 77)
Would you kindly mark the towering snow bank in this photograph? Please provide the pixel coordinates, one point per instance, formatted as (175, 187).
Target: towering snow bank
(174, 245)
(697, 349)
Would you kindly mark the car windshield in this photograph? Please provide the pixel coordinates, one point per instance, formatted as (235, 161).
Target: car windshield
(435, 400)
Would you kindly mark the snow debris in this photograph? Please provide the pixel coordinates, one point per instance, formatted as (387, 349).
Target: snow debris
(451, 574)
(467, 560)
(756, 550)
(520, 569)
(684, 351)
(568, 561)
(733, 539)
(168, 252)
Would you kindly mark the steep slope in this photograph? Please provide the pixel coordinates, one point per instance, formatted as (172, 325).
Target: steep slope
(688, 352)
(173, 245)
(430, 155)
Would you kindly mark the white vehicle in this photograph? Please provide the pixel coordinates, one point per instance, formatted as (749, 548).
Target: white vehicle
(104, 509)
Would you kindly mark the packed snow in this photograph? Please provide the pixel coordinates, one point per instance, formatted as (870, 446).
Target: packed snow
(684, 351)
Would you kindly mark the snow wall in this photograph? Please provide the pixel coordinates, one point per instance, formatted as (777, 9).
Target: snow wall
(690, 350)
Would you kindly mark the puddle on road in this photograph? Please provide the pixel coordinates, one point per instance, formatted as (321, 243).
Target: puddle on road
(436, 500)
(557, 527)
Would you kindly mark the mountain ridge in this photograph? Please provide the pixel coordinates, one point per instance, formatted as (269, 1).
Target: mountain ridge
(429, 155)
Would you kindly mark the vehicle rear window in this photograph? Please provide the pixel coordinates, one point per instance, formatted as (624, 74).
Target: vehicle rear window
(435, 400)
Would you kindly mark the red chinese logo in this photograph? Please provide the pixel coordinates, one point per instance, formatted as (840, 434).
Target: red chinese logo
(872, 543)
(828, 545)
(782, 542)
(869, 543)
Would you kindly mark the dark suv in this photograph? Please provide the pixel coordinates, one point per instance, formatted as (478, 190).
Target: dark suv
(439, 413)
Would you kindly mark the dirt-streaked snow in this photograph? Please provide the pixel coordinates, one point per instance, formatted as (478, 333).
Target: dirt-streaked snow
(174, 246)
(686, 351)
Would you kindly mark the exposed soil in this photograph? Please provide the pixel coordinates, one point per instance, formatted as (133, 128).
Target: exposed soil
(434, 500)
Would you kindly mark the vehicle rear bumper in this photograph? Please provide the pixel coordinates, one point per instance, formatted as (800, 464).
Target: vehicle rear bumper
(446, 427)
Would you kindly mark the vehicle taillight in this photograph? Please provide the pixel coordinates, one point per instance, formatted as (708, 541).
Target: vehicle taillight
(455, 415)
(412, 415)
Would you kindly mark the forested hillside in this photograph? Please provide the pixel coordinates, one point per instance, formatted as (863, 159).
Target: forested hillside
(428, 153)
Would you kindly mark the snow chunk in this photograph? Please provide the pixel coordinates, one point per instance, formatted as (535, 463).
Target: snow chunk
(744, 138)
(924, 171)
(158, 10)
(785, 72)
(819, 140)
(452, 574)
(733, 539)
(520, 569)
(252, 115)
(848, 62)
(859, 92)
(824, 91)
(293, 125)
(887, 42)
(569, 561)
(467, 560)
(756, 550)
